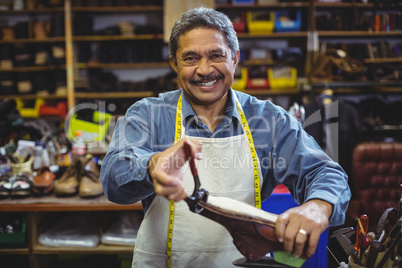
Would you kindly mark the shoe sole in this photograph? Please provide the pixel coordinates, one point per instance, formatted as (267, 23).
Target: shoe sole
(65, 193)
(41, 190)
(90, 195)
(21, 193)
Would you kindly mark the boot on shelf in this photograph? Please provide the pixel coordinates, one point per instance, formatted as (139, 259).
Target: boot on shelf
(42, 55)
(8, 33)
(24, 84)
(59, 55)
(7, 84)
(22, 55)
(6, 56)
(68, 183)
(90, 185)
(39, 30)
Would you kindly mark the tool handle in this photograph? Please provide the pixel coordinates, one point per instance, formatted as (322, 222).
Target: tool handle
(375, 248)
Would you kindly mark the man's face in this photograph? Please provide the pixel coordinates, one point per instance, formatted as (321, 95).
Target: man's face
(205, 67)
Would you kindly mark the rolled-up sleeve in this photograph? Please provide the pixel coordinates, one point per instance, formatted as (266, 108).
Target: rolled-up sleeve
(124, 171)
(307, 171)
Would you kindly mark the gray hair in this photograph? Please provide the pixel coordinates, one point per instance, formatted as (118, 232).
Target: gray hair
(203, 18)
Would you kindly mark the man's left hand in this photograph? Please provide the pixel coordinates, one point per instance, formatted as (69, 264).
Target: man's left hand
(300, 227)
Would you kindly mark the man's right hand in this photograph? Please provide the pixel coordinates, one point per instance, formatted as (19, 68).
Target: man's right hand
(165, 169)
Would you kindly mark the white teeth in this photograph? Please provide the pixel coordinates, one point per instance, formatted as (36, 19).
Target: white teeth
(207, 84)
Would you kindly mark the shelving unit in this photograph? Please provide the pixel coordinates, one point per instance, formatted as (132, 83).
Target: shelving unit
(40, 210)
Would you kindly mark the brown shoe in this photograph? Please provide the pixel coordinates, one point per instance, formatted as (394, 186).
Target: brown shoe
(90, 185)
(43, 181)
(69, 181)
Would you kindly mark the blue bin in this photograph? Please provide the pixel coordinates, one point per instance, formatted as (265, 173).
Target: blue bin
(280, 202)
(291, 25)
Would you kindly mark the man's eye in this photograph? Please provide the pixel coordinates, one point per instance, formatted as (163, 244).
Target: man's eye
(218, 56)
(189, 58)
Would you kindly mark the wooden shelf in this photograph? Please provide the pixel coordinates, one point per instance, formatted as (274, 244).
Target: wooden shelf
(36, 10)
(123, 65)
(358, 33)
(109, 9)
(270, 92)
(343, 5)
(356, 87)
(257, 62)
(32, 40)
(53, 203)
(14, 251)
(100, 249)
(33, 69)
(260, 6)
(34, 96)
(383, 60)
(273, 35)
(118, 37)
(114, 95)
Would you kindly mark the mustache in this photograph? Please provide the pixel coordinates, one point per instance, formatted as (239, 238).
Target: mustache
(205, 79)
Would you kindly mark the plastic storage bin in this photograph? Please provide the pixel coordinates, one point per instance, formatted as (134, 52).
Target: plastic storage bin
(54, 109)
(240, 80)
(29, 108)
(288, 20)
(257, 78)
(280, 202)
(243, 2)
(260, 22)
(91, 131)
(282, 78)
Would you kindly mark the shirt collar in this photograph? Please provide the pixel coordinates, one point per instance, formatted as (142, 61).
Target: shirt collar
(230, 112)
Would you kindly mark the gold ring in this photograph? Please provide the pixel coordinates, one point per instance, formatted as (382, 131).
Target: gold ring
(303, 232)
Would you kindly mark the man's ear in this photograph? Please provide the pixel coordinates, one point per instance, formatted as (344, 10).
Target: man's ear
(236, 59)
(173, 64)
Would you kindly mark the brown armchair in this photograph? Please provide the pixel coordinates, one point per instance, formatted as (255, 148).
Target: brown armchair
(377, 176)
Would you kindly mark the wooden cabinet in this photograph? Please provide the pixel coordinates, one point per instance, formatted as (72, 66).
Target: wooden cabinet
(41, 212)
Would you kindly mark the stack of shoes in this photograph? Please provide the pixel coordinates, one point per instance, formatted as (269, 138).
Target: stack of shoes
(43, 181)
(83, 177)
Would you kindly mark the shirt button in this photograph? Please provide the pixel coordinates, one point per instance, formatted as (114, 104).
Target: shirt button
(139, 175)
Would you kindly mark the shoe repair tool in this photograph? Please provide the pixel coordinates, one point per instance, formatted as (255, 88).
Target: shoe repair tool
(389, 252)
(364, 244)
(375, 248)
(383, 222)
(342, 235)
(252, 229)
(361, 228)
(198, 194)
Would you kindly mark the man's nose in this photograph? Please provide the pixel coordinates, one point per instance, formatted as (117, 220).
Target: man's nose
(204, 67)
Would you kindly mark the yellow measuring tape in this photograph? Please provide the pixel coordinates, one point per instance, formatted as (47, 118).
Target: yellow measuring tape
(257, 196)
(250, 141)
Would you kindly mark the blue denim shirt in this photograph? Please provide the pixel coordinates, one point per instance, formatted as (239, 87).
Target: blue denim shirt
(287, 154)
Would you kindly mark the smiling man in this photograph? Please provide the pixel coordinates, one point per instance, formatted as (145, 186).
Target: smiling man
(235, 138)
